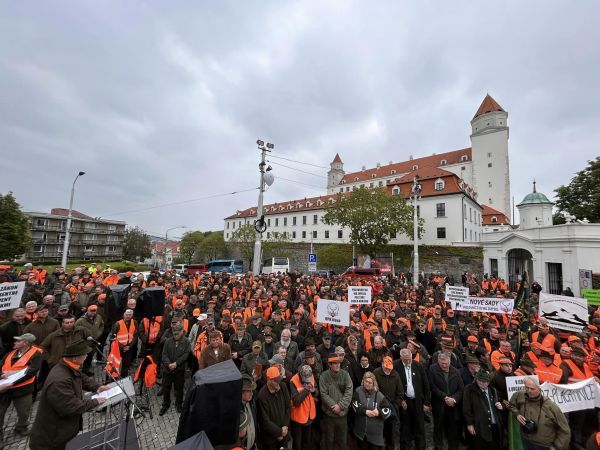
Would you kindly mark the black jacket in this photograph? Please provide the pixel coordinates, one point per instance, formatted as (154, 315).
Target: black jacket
(476, 411)
(439, 389)
(391, 386)
(273, 412)
(420, 382)
(175, 352)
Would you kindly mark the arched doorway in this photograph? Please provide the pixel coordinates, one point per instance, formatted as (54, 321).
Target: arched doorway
(519, 261)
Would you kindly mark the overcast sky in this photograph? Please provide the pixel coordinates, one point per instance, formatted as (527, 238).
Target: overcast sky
(162, 102)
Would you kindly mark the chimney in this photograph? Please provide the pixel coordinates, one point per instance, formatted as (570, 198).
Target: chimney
(378, 165)
(364, 168)
(410, 158)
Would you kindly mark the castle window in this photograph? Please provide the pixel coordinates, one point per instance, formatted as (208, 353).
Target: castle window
(443, 162)
(490, 201)
(370, 185)
(462, 168)
(489, 184)
(343, 182)
(489, 164)
(373, 176)
(464, 158)
(439, 184)
(489, 154)
(393, 172)
(355, 178)
(494, 219)
(395, 191)
(415, 167)
(348, 189)
(380, 183)
(341, 189)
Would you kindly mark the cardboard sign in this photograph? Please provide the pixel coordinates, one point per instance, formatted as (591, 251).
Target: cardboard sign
(333, 312)
(359, 295)
(10, 295)
(578, 396)
(490, 305)
(456, 294)
(516, 384)
(564, 313)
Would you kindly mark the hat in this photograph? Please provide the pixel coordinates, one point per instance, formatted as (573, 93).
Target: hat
(25, 337)
(482, 375)
(334, 359)
(414, 343)
(526, 362)
(257, 344)
(28, 265)
(306, 373)
(472, 339)
(470, 359)
(268, 334)
(309, 341)
(273, 373)
(248, 383)
(573, 338)
(196, 312)
(277, 359)
(42, 307)
(309, 354)
(388, 362)
(241, 326)
(63, 308)
(505, 361)
(92, 308)
(578, 352)
(77, 348)
(339, 350)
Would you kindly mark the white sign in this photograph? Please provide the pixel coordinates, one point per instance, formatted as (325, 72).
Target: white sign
(10, 295)
(456, 294)
(312, 266)
(333, 312)
(584, 394)
(490, 305)
(516, 384)
(585, 279)
(359, 295)
(10, 379)
(564, 313)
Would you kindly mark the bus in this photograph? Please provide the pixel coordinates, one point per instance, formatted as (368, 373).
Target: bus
(225, 265)
(276, 264)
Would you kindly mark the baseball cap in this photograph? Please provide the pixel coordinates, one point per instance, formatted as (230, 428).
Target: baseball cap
(273, 373)
(25, 337)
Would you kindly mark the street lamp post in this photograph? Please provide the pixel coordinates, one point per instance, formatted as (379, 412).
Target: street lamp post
(259, 225)
(69, 219)
(167, 239)
(415, 193)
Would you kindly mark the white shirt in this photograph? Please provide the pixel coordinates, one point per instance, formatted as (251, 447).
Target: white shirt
(410, 389)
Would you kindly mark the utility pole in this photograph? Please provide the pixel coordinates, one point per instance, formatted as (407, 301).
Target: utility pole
(259, 224)
(416, 190)
(69, 219)
(167, 241)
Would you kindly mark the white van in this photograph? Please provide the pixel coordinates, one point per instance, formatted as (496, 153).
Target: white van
(179, 268)
(276, 264)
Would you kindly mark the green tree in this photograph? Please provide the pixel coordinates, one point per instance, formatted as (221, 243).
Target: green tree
(14, 238)
(335, 256)
(212, 246)
(372, 216)
(190, 245)
(581, 197)
(136, 245)
(243, 239)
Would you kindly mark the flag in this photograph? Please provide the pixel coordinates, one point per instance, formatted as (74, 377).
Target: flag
(514, 434)
(113, 364)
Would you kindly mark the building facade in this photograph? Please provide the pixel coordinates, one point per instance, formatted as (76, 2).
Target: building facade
(91, 239)
(550, 254)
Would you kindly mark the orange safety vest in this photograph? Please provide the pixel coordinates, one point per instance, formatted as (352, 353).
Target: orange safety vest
(551, 373)
(497, 355)
(200, 344)
(547, 342)
(430, 324)
(577, 374)
(113, 362)
(20, 364)
(306, 411)
(125, 336)
(152, 329)
(149, 373)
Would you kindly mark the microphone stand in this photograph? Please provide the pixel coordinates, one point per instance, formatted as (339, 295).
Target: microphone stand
(129, 400)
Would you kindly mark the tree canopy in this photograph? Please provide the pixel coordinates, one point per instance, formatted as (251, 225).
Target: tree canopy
(372, 216)
(581, 197)
(198, 246)
(243, 238)
(14, 238)
(136, 245)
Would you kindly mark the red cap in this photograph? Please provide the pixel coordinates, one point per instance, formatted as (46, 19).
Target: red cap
(472, 339)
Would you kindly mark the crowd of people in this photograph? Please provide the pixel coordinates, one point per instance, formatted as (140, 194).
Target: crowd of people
(406, 359)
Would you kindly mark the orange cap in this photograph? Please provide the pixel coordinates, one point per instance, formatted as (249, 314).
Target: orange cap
(273, 372)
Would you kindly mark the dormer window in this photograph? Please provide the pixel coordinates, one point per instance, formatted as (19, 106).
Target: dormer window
(439, 184)
(464, 158)
(373, 176)
(343, 182)
(395, 191)
(355, 178)
(393, 172)
(443, 162)
(494, 219)
(415, 167)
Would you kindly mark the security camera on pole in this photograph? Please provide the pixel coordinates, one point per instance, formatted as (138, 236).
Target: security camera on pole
(266, 177)
(415, 195)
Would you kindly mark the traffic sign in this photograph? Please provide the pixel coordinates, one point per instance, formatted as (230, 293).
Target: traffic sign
(312, 267)
(312, 258)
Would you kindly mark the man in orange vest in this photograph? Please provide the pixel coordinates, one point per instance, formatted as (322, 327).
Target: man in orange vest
(19, 392)
(305, 396)
(126, 334)
(545, 337)
(546, 370)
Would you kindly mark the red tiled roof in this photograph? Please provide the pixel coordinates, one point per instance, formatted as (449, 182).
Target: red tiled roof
(488, 105)
(160, 246)
(337, 158)
(65, 212)
(489, 212)
(427, 177)
(284, 207)
(452, 157)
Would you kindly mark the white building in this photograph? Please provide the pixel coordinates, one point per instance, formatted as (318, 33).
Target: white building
(472, 179)
(551, 254)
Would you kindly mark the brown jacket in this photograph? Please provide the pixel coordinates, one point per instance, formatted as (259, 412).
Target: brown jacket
(54, 345)
(42, 330)
(208, 357)
(59, 415)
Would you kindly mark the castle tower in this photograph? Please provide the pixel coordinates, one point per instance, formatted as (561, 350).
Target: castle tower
(489, 143)
(535, 210)
(335, 174)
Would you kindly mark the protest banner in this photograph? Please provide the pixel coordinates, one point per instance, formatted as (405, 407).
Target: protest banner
(333, 312)
(487, 304)
(456, 294)
(10, 295)
(516, 384)
(592, 296)
(584, 394)
(359, 295)
(564, 313)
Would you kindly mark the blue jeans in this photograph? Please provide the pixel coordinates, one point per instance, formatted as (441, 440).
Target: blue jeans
(531, 446)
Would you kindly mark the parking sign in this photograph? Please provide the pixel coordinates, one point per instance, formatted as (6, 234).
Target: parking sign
(312, 262)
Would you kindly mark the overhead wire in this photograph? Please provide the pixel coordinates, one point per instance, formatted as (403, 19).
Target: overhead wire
(297, 170)
(299, 162)
(299, 182)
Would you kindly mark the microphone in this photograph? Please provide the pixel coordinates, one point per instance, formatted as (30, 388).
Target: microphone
(91, 339)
